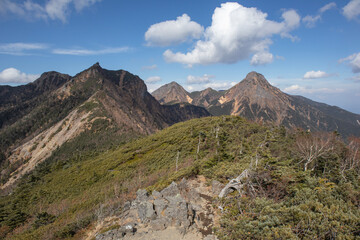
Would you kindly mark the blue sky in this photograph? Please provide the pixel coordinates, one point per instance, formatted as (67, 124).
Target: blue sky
(303, 47)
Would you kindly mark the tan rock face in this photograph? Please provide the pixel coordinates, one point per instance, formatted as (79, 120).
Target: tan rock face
(172, 93)
(39, 148)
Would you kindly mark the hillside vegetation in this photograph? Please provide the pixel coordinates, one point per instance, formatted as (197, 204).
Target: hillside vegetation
(301, 185)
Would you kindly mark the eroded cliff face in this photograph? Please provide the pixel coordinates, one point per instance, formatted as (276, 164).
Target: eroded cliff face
(180, 211)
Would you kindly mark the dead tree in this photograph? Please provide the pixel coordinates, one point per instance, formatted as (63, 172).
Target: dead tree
(311, 147)
(352, 159)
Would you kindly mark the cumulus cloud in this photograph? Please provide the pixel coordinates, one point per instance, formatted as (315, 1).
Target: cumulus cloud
(151, 67)
(316, 74)
(236, 33)
(173, 31)
(310, 21)
(261, 58)
(352, 9)
(353, 61)
(153, 79)
(51, 9)
(199, 79)
(86, 52)
(296, 89)
(12, 75)
(20, 48)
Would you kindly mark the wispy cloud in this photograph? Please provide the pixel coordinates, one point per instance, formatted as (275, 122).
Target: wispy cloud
(297, 89)
(199, 79)
(151, 67)
(51, 9)
(352, 10)
(213, 85)
(353, 61)
(153, 79)
(86, 52)
(21, 48)
(310, 21)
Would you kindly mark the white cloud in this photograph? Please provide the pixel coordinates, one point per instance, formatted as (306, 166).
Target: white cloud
(327, 7)
(173, 31)
(310, 21)
(236, 32)
(220, 85)
(151, 67)
(52, 9)
(85, 52)
(352, 9)
(199, 79)
(296, 89)
(213, 85)
(12, 75)
(20, 48)
(353, 61)
(153, 79)
(316, 74)
(261, 58)
(152, 87)
(355, 79)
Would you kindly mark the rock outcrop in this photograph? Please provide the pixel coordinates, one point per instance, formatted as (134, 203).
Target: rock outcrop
(180, 211)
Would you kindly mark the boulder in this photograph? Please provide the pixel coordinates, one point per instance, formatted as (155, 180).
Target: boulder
(160, 204)
(146, 211)
(216, 187)
(142, 195)
(156, 194)
(171, 191)
(159, 224)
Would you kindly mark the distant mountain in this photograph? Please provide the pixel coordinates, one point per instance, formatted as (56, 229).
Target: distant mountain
(39, 118)
(256, 99)
(172, 93)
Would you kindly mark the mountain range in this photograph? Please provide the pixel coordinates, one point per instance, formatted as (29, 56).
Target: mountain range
(96, 156)
(256, 99)
(38, 118)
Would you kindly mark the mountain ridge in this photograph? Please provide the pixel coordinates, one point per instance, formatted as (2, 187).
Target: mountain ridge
(95, 102)
(256, 99)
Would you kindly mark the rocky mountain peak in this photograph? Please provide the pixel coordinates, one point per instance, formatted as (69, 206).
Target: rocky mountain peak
(91, 71)
(50, 80)
(172, 93)
(256, 79)
(96, 66)
(174, 84)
